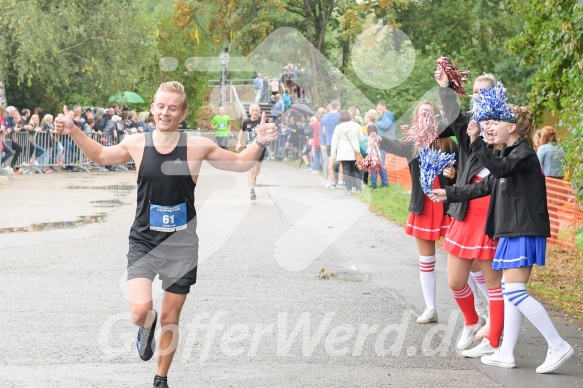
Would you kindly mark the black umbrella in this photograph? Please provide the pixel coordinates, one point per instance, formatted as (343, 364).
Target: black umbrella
(302, 108)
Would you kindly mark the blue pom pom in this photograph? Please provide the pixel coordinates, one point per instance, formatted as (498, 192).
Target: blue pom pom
(491, 104)
(432, 163)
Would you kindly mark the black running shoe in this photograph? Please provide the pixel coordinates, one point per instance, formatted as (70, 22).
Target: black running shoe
(160, 383)
(253, 195)
(145, 341)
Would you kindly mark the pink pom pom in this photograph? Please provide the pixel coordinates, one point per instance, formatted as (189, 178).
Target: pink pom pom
(456, 76)
(372, 162)
(423, 131)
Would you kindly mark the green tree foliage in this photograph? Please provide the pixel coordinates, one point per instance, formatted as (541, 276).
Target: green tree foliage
(472, 33)
(63, 52)
(553, 40)
(179, 39)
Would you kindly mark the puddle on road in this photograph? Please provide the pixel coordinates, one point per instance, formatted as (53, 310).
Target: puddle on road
(123, 187)
(44, 226)
(107, 203)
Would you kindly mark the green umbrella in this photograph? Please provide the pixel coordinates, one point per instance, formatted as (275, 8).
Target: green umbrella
(127, 97)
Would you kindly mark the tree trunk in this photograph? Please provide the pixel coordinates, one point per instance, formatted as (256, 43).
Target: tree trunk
(3, 100)
(314, 57)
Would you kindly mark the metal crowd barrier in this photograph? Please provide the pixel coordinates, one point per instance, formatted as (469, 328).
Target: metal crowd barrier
(46, 151)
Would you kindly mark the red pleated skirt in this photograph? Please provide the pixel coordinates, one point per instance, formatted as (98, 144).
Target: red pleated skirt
(466, 238)
(431, 224)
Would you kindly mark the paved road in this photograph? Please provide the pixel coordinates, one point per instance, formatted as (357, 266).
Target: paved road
(304, 288)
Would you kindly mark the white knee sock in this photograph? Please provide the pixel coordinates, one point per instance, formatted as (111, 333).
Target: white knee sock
(481, 283)
(534, 311)
(427, 276)
(512, 325)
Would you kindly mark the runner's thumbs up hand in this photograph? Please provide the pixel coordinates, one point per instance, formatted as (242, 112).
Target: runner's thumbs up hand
(64, 125)
(266, 132)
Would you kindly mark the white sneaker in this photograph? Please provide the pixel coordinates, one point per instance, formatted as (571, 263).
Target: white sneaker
(484, 331)
(341, 185)
(468, 335)
(555, 358)
(483, 349)
(330, 185)
(496, 359)
(428, 316)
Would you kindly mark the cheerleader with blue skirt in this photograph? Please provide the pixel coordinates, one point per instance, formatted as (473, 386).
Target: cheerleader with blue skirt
(518, 216)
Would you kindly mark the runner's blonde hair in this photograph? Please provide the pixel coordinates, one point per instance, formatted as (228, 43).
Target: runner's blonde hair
(174, 87)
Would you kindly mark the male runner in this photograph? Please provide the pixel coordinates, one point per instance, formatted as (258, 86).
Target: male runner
(163, 239)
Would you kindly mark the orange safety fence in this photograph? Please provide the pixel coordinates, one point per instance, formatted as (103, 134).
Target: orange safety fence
(398, 171)
(565, 214)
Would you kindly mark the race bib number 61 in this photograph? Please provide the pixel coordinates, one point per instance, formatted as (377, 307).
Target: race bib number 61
(168, 218)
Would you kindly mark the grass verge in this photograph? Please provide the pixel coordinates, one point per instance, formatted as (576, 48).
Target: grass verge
(559, 283)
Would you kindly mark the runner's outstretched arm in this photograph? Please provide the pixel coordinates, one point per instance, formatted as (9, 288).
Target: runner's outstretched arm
(117, 154)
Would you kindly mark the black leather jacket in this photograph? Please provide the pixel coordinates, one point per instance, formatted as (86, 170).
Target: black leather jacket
(518, 202)
(469, 164)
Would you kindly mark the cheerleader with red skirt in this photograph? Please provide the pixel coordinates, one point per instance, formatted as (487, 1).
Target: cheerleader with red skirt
(466, 241)
(427, 221)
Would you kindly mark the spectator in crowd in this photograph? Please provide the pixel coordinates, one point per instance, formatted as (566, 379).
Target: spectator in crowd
(24, 117)
(258, 87)
(386, 128)
(88, 124)
(33, 127)
(345, 144)
(265, 89)
(369, 123)
(292, 140)
(103, 118)
(308, 147)
(355, 114)
(182, 125)
(323, 148)
(39, 111)
(55, 152)
(88, 111)
(8, 152)
(550, 155)
(150, 124)
(317, 144)
(113, 128)
(287, 99)
(536, 140)
(11, 129)
(129, 126)
(274, 87)
(278, 107)
(329, 123)
(386, 122)
(78, 119)
(141, 121)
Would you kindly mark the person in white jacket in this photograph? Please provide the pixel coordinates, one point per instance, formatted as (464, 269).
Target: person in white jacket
(345, 143)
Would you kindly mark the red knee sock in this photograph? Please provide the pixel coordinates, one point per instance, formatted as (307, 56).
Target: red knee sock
(465, 299)
(496, 316)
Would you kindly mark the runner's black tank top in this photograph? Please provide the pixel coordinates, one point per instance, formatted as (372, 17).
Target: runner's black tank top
(165, 180)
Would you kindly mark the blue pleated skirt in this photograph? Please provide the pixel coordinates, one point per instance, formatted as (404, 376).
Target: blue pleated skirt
(516, 252)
